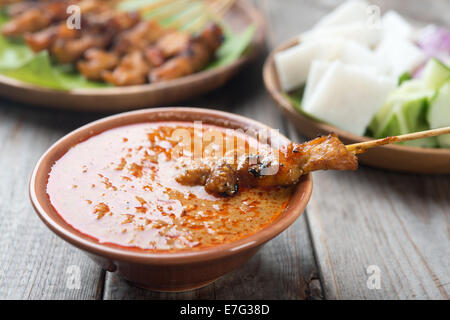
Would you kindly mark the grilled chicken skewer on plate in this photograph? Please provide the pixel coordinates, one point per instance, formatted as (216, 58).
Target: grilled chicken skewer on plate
(118, 47)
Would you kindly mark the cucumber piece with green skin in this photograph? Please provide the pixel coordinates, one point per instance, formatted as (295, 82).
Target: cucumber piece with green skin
(415, 117)
(439, 113)
(388, 123)
(414, 106)
(435, 74)
(402, 117)
(380, 118)
(410, 91)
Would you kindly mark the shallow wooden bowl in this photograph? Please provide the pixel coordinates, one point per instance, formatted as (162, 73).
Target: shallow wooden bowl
(392, 157)
(177, 271)
(240, 16)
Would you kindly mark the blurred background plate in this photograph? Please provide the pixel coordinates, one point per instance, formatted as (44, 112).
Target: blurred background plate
(392, 157)
(240, 16)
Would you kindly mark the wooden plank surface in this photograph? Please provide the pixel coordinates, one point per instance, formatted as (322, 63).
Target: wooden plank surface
(35, 264)
(396, 222)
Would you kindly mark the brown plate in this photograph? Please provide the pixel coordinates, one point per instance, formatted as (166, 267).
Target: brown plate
(176, 271)
(240, 16)
(392, 157)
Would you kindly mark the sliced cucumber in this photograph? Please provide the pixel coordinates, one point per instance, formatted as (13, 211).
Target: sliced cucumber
(401, 117)
(379, 121)
(415, 119)
(410, 91)
(388, 123)
(439, 113)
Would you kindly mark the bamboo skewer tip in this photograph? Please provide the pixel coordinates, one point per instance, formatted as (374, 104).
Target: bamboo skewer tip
(362, 147)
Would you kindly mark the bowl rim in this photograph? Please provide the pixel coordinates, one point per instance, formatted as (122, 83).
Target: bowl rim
(250, 53)
(297, 205)
(272, 87)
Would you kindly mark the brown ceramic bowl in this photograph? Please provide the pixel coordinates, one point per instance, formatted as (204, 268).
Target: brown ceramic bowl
(392, 157)
(177, 271)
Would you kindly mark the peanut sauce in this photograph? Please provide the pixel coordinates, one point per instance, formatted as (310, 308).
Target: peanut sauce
(119, 187)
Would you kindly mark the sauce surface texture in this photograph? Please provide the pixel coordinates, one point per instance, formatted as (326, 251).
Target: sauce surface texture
(119, 187)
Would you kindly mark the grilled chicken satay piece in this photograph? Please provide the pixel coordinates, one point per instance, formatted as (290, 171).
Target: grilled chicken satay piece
(169, 45)
(141, 36)
(17, 7)
(43, 39)
(98, 17)
(132, 70)
(135, 36)
(7, 2)
(96, 62)
(35, 17)
(154, 56)
(121, 21)
(71, 50)
(295, 160)
(173, 43)
(195, 57)
(30, 21)
(146, 40)
(98, 31)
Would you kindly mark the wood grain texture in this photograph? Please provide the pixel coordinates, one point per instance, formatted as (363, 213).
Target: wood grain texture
(396, 222)
(34, 263)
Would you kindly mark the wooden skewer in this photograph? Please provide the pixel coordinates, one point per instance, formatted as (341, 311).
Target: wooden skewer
(363, 146)
(188, 15)
(214, 10)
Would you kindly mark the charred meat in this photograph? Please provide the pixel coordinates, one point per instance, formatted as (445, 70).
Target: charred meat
(265, 170)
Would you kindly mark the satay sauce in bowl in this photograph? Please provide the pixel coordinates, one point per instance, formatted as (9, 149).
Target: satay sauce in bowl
(111, 189)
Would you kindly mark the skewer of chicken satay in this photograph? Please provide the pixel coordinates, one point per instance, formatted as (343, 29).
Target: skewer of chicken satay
(324, 153)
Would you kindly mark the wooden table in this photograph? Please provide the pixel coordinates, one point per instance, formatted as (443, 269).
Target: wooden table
(358, 224)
